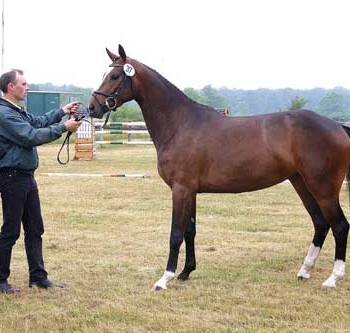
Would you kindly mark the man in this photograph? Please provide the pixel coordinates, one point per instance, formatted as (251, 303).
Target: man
(20, 133)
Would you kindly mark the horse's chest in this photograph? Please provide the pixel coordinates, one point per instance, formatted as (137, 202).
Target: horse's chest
(175, 166)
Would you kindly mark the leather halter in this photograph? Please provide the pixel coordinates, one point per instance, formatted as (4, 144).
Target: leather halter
(110, 103)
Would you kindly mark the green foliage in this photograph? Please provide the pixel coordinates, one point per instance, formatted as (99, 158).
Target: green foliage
(242, 109)
(128, 112)
(208, 96)
(297, 103)
(333, 103)
(214, 98)
(333, 106)
(195, 95)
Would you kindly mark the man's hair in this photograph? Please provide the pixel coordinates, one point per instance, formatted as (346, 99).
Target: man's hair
(9, 77)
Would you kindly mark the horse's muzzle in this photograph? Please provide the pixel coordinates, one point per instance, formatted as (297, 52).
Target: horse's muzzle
(94, 112)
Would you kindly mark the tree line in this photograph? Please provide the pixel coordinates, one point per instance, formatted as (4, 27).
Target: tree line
(332, 103)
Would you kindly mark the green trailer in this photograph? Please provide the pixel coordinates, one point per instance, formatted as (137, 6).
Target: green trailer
(40, 102)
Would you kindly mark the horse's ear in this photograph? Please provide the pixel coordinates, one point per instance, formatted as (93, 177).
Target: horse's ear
(111, 55)
(122, 52)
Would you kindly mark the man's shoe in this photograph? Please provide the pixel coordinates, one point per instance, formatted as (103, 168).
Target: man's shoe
(45, 284)
(6, 288)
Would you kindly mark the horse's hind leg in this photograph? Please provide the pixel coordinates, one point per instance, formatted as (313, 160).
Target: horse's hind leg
(340, 229)
(321, 227)
(190, 233)
(326, 193)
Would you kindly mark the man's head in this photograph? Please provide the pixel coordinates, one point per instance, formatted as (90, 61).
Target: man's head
(14, 85)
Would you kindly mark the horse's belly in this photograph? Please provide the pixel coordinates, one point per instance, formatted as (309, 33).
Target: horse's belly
(225, 170)
(249, 178)
(237, 186)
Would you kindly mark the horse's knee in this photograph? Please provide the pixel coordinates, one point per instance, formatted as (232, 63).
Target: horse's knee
(176, 240)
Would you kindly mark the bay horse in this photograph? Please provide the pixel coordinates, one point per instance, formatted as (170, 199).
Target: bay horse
(199, 150)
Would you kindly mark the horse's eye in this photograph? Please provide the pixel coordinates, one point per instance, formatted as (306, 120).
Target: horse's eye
(114, 77)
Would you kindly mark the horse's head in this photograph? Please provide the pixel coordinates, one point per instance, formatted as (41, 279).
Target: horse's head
(116, 86)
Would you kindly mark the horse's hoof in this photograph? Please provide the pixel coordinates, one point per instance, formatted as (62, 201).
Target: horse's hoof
(303, 277)
(157, 288)
(183, 277)
(330, 282)
(337, 274)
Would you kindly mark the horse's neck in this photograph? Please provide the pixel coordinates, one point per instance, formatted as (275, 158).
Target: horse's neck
(164, 107)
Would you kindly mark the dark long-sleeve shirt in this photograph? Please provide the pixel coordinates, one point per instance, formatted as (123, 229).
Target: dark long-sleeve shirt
(21, 133)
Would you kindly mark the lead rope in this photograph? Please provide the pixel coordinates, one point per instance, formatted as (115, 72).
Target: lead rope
(65, 143)
(80, 115)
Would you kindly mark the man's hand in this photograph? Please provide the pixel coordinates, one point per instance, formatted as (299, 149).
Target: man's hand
(72, 125)
(71, 108)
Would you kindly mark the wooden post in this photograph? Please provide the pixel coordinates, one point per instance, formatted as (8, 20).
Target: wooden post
(84, 142)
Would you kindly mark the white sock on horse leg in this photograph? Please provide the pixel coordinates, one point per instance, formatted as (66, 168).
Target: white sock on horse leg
(163, 281)
(309, 261)
(337, 274)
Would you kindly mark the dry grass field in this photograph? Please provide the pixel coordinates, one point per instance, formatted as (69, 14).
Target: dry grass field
(107, 239)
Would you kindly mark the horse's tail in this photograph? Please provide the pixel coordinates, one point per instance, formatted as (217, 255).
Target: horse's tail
(347, 130)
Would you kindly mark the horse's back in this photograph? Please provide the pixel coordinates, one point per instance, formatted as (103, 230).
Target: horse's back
(296, 132)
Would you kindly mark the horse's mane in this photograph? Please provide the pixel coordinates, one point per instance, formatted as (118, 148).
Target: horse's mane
(183, 97)
(166, 82)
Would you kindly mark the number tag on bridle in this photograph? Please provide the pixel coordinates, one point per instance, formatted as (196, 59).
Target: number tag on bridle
(129, 70)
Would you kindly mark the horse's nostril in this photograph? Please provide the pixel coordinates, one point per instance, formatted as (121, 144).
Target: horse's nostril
(91, 107)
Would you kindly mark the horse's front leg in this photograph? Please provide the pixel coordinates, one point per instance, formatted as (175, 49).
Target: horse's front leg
(190, 234)
(183, 199)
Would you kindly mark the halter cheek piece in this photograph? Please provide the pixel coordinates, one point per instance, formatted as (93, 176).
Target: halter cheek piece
(110, 103)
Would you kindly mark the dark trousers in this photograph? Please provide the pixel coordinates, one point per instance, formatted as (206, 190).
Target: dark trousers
(21, 204)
